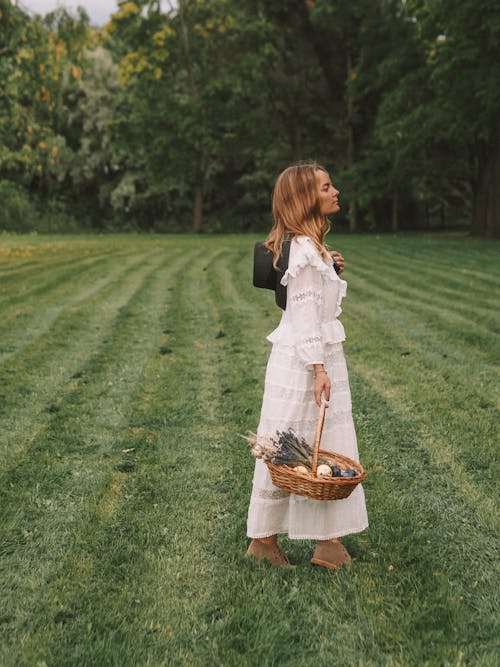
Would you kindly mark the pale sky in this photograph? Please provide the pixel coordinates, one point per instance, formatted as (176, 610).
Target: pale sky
(99, 11)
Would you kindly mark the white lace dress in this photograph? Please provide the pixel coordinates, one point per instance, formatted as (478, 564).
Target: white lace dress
(309, 333)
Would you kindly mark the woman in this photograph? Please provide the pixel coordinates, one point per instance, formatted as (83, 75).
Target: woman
(306, 366)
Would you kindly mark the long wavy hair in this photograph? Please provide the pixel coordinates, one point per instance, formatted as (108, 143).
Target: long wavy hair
(296, 209)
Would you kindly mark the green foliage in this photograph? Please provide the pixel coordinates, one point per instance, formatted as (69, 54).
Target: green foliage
(180, 116)
(17, 212)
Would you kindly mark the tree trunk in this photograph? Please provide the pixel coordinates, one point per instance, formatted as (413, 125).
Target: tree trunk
(296, 140)
(193, 95)
(353, 204)
(395, 210)
(486, 189)
(198, 208)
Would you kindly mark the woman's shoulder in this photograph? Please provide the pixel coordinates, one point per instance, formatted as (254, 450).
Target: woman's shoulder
(304, 241)
(305, 248)
(303, 253)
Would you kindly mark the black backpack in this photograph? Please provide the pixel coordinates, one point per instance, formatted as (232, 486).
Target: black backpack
(264, 273)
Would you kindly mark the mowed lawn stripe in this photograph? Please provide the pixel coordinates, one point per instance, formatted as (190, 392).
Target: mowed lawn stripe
(429, 263)
(424, 528)
(413, 372)
(33, 380)
(170, 499)
(76, 458)
(147, 544)
(29, 284)
(433, 303)
(247, 610)
(23, 325)
(457, 330)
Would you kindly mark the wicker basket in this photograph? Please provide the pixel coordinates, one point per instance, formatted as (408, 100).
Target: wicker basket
(318, 488)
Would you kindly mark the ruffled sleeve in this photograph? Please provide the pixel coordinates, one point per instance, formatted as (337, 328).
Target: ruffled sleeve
(304, 303)
(305, 294)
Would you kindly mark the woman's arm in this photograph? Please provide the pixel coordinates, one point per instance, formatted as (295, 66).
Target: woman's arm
(304, 303)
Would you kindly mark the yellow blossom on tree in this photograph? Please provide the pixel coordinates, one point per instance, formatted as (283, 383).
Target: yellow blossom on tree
(54, 151)
(160, 37)
(59, 51)
(133, 63)
(126, 10)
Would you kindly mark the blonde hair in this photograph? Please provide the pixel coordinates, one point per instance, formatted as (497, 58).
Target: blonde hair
(296, 209)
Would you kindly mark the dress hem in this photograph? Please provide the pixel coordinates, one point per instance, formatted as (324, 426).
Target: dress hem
(329, 536)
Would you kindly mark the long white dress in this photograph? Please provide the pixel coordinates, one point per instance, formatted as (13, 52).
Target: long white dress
(309, 333)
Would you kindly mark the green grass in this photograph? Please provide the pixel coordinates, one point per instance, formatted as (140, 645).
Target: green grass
(128, 367)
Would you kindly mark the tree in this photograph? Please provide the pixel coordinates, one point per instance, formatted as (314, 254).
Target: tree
(41, 59)
(464, 60)
(178, 71)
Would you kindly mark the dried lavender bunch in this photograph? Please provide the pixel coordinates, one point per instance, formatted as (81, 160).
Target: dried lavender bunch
(292, 450)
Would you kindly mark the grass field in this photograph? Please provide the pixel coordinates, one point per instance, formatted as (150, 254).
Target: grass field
(128, 367)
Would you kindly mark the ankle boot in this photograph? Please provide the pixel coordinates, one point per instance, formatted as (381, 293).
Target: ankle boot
(330, 554)
(269, 552)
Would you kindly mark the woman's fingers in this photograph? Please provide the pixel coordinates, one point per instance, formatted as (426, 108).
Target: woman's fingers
(321, 386)
(327, 392)
(317, 396)
(338, 259)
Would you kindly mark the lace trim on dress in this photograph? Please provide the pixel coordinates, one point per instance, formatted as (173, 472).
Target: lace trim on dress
(335, 355)
(311, 340)
(307, 295)
(340, 417)
(287, 393)
(307, 254)
(270, 494)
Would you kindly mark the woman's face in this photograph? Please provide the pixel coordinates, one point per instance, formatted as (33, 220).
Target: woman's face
(328, 195)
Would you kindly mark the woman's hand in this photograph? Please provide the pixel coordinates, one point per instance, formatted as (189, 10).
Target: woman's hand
(321, 386)
(338, 259)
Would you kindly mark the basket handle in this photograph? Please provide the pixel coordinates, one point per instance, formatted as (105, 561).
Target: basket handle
(319, 431)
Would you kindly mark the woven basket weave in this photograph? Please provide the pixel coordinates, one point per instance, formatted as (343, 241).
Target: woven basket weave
(318, 488)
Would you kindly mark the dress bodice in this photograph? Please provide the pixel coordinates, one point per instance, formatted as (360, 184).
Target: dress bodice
(314, 298)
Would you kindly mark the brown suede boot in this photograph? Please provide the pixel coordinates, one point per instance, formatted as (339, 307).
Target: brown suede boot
(270, 552)
(331, 554)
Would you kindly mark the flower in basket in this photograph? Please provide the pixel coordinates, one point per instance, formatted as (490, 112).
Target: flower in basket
(261, 446)
(285, 448)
